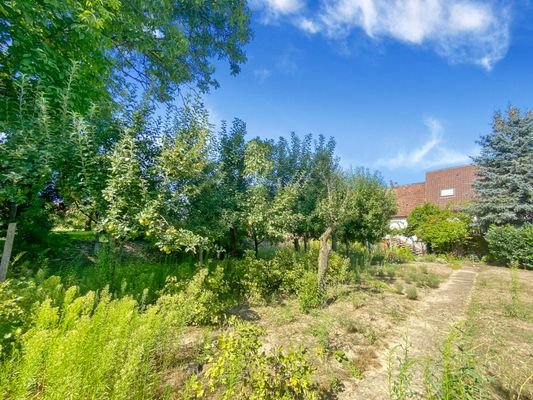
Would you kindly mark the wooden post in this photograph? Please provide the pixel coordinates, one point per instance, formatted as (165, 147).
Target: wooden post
(8, 247)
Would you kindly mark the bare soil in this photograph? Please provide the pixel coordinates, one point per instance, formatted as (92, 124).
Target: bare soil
(425, 329)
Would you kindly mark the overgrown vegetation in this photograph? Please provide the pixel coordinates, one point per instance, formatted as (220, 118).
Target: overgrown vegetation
(443, 230)
(187, 230)
(508, 244)
(237, 368)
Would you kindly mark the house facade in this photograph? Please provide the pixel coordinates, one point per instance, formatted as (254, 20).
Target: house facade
(449, 186)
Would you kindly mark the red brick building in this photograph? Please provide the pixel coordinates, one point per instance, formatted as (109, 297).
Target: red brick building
(442, 187)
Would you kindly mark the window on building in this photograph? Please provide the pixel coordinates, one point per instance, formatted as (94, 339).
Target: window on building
(447, 192)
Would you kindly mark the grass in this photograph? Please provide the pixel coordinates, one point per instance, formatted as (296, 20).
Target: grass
(515, 308)
(500, 341)
(400, 372)
(73, 235)
(411, 293)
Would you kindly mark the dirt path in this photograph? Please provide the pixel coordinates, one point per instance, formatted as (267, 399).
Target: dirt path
(425, 330)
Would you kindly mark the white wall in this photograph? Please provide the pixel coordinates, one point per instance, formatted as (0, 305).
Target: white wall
(398, 223)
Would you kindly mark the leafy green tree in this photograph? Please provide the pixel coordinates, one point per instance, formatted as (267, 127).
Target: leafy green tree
(373, 206)
(28, 153)
(292, 165)
(157, 45)
(126, 191)
(320, 167)
(268, 205)
(177, 173)
(333, 209)
(421, 216)
(504, 188)
(233, 181)
(441, 229)
(82, 183)
(62, 58)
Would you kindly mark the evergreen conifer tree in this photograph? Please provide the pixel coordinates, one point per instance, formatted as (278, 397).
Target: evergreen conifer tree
(504, 188)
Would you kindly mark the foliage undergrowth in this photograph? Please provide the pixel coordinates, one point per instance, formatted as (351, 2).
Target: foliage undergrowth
(93, 346)
(237, 368)
(456, 375)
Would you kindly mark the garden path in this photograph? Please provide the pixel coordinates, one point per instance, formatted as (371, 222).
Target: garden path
(425, 330)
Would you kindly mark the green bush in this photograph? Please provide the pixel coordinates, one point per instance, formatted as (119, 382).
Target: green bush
(508, 244)
(261, 280)
(236, 368)
(443, 230)
(361, 256)
(400, 255)
(339, 269)
(378, 256)
(204, 298)
(18, 298)
(398, 287)
(411, 293)
(309, 294)
(424, 278)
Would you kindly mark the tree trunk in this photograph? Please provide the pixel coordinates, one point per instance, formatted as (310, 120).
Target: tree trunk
(347, 246)
(88, 224)
(8, 247)
(97, 244)
(306, 244)
(256, 245)
(323, 257)
(10, 239)
(296, 244)
(13, 212)
(233, 241)
(201, 256)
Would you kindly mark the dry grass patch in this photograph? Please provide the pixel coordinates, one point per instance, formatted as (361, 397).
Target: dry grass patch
(345, 336)
(503, 340)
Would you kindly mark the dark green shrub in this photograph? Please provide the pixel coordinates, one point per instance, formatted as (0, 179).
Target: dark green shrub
(204, 298)
(309, 295)
(261, 280)
(508, 243)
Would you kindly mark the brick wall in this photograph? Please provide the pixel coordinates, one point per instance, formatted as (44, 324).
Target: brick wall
(457, 178)
(408, 197)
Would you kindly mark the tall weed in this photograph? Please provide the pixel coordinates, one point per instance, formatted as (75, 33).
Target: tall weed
(93, 346)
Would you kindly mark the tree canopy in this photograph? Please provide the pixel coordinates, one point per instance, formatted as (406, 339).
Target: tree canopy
(504, 187)
(157, 45)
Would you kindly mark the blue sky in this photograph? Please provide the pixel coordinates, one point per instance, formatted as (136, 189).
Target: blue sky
(404, 86)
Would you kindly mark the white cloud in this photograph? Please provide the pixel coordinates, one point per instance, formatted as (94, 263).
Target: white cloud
(462, 31)
(432, 153)
(273, 9)
(262, 74)
(307, 25)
